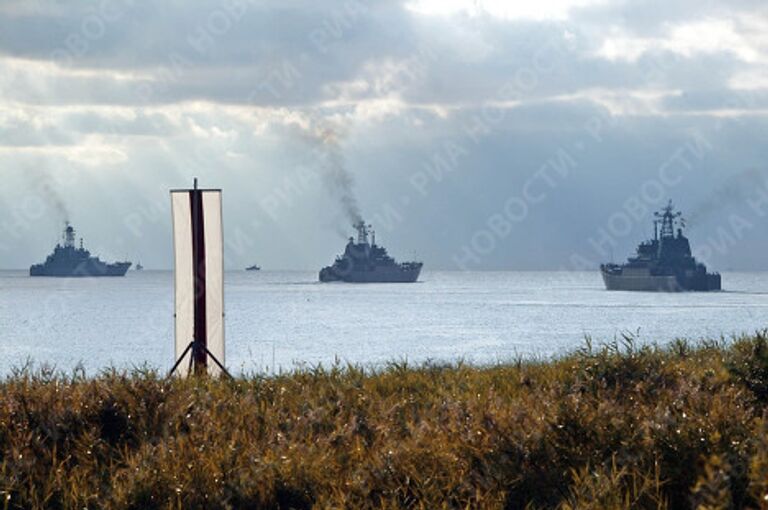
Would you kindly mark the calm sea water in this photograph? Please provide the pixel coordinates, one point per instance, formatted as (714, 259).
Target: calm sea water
(278, 320)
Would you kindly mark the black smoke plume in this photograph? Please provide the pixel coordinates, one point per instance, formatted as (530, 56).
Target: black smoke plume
(44, 185)
(336, 175)
(328, 153)
(735, 190)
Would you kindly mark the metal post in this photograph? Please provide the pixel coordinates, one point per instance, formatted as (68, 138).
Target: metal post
(200, 350)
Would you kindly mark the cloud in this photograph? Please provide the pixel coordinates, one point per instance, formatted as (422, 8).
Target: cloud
(127, 98)
(742, 38)
(541, 10)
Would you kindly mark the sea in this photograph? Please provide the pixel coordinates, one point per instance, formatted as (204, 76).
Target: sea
(282, 321)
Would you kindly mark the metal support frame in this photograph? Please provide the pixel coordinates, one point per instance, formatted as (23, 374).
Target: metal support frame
(197, 347)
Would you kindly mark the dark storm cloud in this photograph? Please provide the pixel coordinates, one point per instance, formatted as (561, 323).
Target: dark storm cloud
(127, 98)
(225, 51)
(254, 53)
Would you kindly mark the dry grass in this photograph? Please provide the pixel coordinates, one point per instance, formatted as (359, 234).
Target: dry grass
(612, 427)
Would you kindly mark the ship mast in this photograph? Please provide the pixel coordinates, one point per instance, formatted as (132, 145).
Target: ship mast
(667, 219)
(362, 232)
(69, 236)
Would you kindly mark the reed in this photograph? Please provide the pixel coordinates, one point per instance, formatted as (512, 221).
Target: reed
(612, 426)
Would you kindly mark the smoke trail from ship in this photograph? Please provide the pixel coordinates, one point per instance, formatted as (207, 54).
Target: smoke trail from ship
(326, 143)
(43, 184)
(734, 191)
(337, 176)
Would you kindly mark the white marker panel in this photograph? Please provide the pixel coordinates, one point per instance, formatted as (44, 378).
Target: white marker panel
(184, 277)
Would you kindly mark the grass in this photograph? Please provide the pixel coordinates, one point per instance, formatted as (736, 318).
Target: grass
(614, 426)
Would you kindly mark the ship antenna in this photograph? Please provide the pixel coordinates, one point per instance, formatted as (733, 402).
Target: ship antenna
(667, 218)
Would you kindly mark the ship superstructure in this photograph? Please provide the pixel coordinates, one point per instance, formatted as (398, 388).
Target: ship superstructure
(367, 262)
(664, 263)
(68, 260)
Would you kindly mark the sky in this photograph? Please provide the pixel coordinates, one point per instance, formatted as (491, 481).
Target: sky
(473, 135)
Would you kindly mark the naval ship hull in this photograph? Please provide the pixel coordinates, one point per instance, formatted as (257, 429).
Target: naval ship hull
(664, 263)
(645, 281)
(84, 269)
(69, 261)
(367, 262)
(375, 275)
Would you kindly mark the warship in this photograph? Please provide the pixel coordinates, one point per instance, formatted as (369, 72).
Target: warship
(663, 263)
(254, 267)
(68, 260)
(365, 262)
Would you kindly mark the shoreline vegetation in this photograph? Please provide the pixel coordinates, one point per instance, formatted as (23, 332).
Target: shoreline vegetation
(609, 426)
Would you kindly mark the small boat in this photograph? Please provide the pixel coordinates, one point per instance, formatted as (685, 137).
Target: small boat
(139, 267)
(253, 268)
